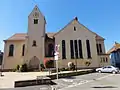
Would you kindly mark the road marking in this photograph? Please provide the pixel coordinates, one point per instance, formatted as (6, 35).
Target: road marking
(87, 81)
(66, 80)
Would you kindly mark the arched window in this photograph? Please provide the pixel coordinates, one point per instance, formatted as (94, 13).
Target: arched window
(98, 51)
(80, 48)
(63, 49)
(50, 50)
(34, 43)
(76, 49)
(11, 50)
(88, 48)
(23, 50)
(106, 59)
(72, 49)
(74, 28)
(100, 46)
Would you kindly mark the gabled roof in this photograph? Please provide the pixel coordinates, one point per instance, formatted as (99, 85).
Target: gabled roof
(76, 20)
(36, 7)
(17, 36)
(38, 11)
(115, 47)
(22, 36)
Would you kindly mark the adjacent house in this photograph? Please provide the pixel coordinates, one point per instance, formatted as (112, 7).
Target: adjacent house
(77, 44)
(115, 55)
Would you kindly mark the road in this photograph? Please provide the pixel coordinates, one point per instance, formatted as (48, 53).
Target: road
(93, 81)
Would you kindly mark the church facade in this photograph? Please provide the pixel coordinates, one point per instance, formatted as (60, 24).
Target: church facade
(77, 44)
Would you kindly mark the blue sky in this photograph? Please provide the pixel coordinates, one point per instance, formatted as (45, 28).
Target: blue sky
(100, 16)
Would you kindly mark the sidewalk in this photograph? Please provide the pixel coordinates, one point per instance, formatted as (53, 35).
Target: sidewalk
(7, 81)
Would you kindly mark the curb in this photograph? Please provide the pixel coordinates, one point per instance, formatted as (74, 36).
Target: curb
(46, 81)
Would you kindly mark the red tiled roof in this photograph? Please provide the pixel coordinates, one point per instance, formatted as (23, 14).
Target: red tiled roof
(18, 36)
(22, 36)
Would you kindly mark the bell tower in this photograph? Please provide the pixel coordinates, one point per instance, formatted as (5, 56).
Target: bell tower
(36, 35)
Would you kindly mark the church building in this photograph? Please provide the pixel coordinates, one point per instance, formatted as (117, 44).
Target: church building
(77, 44)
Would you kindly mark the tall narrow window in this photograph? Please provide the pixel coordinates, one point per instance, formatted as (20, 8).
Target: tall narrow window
(11, 50)
(34, 43)
(50, 50)
(100, 48)
(63, 50)
(88, 49)
(106, 59)
(76, 49)
(97, 45)
(74, 28)
(80, 49)
(23, 50)
(71, 49)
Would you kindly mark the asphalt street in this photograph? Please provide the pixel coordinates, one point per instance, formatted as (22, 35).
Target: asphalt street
(93, 81)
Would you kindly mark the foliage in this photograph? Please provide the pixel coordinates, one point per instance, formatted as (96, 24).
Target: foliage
(64, 69)
(49, 64)
(17, 67)
(87, 63)
(13, 70)
(24, 68)
(54, 71)
(42, 66)
(71, 66)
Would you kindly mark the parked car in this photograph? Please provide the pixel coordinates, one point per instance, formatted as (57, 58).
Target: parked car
(109, 69)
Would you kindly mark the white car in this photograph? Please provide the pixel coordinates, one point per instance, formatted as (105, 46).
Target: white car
(111, 69)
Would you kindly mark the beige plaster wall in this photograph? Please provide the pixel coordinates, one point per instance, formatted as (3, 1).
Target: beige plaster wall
(10, 62)
(81, 33)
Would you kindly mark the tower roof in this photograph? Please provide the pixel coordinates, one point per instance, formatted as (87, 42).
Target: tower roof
(36, 8)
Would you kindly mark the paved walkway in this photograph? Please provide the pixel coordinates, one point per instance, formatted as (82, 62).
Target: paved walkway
(7, 81)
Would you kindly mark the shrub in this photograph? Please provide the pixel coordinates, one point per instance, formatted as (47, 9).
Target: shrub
(17, 67)
(49, 64)
(87, 63)
(54, 71)
(13, 70)
(42, 67)
(64, 69)
(71, 65)
(24, 68)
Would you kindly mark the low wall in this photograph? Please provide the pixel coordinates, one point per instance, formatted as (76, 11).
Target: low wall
(69, 74)
(48, 81)
(33, 82)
